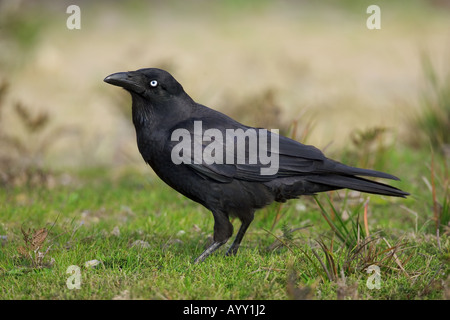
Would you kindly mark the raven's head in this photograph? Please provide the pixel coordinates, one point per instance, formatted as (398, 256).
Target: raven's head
(151, 83)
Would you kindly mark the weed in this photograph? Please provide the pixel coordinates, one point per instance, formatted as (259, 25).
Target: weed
(431, 125)
(34, 241)
(358, 250)
(368, 148)
(350, 236)
(21, 154)
(439, 187)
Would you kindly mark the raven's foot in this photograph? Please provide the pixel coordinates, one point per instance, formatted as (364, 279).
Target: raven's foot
(213, 247)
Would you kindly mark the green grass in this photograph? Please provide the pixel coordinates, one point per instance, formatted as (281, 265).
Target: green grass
(99, 218)
(431, 124)
(290, 251)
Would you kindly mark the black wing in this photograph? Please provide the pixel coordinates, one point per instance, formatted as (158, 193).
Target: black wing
(209, 134)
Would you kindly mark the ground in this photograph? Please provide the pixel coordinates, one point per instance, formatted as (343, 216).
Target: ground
(74, 189)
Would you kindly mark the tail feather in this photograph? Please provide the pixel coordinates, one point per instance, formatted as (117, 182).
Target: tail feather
(357, 183)
(340, 168)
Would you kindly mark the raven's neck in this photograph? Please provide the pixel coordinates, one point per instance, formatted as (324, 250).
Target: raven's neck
(150, 116)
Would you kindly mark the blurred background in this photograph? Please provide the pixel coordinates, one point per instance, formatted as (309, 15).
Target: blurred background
(311, 69)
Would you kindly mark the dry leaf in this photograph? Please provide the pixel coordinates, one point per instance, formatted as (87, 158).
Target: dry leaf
(22, 251)
(38, 239)
(26, 237)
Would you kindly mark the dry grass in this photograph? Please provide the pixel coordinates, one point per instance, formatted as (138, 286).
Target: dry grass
(319, 63)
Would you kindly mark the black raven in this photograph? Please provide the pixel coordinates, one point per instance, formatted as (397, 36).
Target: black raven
(229, 168)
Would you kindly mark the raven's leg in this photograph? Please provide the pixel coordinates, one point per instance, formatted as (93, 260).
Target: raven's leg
(237, 241)
(215, 245)
(223, 229)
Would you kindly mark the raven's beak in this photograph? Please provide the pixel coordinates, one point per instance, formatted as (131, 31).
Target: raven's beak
(126, 80)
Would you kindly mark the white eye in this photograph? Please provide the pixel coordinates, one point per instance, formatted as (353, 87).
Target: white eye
(153, 83)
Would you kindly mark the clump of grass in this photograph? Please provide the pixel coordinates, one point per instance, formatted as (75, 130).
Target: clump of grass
(22, 149)
(344, 259)
(368, 148)
(33, 250)
(359, 250)
(431, 125)
(349, 235)
(439, 187)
